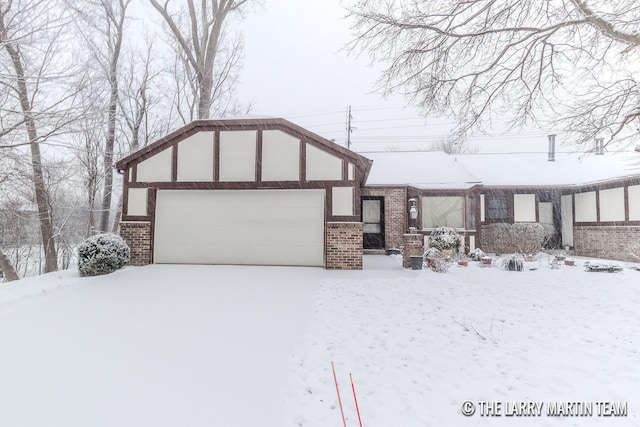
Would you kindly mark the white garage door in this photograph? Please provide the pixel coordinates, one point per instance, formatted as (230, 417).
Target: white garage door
(256, 227)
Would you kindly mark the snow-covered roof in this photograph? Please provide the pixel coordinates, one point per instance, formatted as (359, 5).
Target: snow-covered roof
(426, 170)
(533, 169)
(438, 170)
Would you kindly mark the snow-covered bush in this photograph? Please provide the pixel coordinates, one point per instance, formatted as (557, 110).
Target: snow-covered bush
(476, 254)
(445, 238)
(525, 238)
(102, 254)
(633, 250)
(513, 262)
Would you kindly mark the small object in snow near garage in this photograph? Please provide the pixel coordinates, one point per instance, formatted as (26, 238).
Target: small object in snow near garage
(463, 263)
(416, 262)
(569, 262)
(486, 261)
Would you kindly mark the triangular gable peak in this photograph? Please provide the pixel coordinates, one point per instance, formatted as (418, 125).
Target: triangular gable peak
(243, 150)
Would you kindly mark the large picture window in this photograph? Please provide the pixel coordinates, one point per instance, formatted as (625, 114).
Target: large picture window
(497, 209)
(442, 211)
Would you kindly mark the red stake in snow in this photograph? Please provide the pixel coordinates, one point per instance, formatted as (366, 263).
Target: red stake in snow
(344, 422)
(355, 399)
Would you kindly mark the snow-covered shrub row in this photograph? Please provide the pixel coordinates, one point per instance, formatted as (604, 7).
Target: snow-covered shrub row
(445, 238)
(524, 238)
(102, 254)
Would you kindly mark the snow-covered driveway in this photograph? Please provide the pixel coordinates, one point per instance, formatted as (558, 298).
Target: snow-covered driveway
(154, 346)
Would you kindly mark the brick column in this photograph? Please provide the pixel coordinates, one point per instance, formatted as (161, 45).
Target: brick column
(343, 249)
(413, 246)
(138, 237)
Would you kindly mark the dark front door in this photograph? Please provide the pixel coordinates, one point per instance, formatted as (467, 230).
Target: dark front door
(373, 222)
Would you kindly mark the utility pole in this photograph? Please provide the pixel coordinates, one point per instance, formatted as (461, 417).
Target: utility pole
(349, 128)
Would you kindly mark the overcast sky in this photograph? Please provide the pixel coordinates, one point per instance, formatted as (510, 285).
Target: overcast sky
(295, 67)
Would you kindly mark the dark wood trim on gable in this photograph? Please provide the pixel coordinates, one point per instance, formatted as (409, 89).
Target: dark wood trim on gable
(626, 203)
(174, 163)
(259, 157)
(303, 161)
(216, 156)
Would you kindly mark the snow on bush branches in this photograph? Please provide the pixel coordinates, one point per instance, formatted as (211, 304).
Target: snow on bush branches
(445, 238)
(102, 254)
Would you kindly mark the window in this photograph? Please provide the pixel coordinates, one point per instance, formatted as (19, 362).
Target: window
(442, 211)
(497, 209)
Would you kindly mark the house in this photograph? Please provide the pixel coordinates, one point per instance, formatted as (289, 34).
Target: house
(256, 191)
(268, 192)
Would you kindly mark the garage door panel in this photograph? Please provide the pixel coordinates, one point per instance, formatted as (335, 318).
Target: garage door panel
(216, 236)
(299, 255)
(262, 227)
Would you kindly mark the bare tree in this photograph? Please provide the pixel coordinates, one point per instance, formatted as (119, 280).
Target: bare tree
(104, 33)
(29, 35)
(6, 267)
(206, 64)
(143, 120)
(570, 64)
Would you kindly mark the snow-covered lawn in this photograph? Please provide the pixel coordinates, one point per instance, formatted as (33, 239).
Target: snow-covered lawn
(253, 346)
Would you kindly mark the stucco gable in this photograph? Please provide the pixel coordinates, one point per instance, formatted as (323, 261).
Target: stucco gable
(255, 124)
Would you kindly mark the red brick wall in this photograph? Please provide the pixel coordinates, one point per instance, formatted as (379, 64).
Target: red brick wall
(395, 213)
(343, 250)
(413, 246)
(608, 242)
(138, 237)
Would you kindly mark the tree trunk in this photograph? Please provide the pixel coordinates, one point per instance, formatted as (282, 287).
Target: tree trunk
(42, 197)
(7, 268)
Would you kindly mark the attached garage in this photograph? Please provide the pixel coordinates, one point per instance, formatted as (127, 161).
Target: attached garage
(255, 192)
(255, 227)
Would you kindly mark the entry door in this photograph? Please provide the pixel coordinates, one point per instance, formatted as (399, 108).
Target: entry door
(373, 222)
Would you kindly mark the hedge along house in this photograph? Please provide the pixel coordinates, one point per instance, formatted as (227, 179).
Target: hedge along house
(247, 191)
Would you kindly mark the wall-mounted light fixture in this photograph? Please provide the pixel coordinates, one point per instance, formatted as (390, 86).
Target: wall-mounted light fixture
(413, 208)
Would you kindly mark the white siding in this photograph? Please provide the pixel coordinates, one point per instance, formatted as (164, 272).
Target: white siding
(524, 207)
(352, 172)
(238, 156)
(137, 202)
(482, 208)
(280, 156)
(612, 204)
(195, 158)
(586, 207)
(322, 166)
(342, 199)
(566, 214)
(634, 203)
(156, 168)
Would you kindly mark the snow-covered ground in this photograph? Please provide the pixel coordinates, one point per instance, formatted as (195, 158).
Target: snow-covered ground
(239, 346)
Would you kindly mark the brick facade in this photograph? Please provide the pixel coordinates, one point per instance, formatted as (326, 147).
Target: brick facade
(395, 213)
(138, 237)
(413, 246)
(343, 246)
(608, 242)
